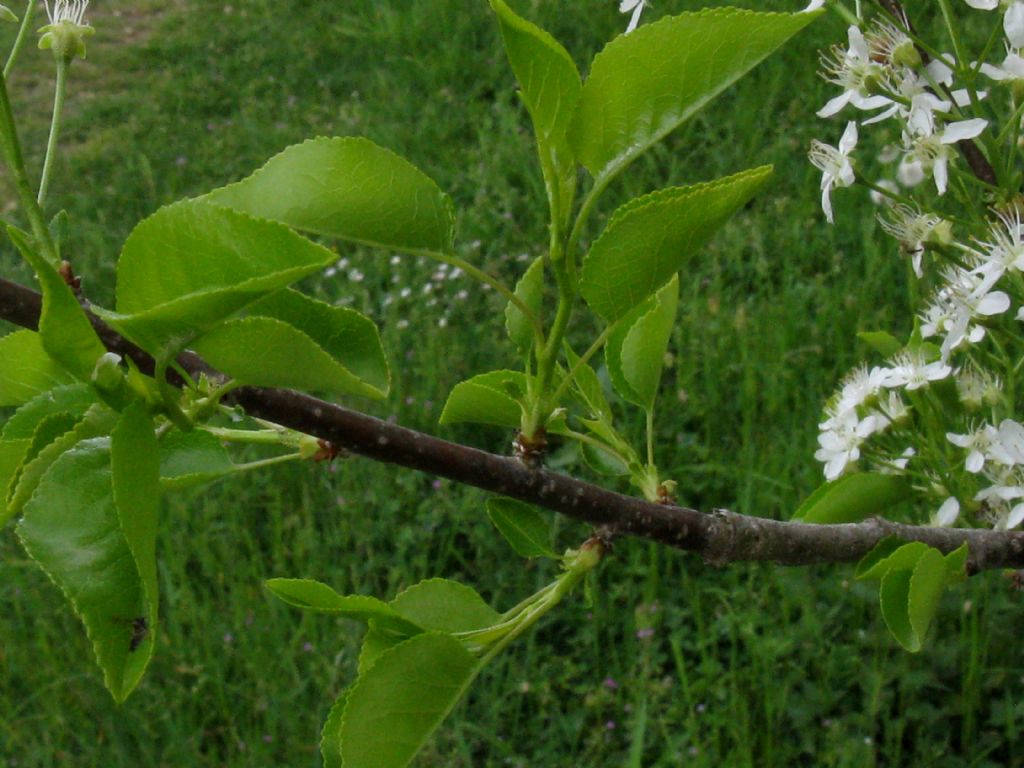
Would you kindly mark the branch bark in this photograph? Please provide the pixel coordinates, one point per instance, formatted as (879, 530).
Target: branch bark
(720, 537)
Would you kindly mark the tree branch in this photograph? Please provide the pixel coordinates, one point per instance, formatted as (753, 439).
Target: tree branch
(720, 537)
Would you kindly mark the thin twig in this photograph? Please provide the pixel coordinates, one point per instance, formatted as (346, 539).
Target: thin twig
(720, 537)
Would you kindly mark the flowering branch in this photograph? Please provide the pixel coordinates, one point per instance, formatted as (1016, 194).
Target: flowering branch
(720, 537)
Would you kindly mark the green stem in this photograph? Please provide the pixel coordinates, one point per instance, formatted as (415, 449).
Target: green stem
(11, 148)
(954, 36)
(19, 41)
(650, 440)
(478, 274)
(262, 463)
(51, 144)
(170, 394)
(584, 359)
(848, 16)
(585, 561)
(252, 436)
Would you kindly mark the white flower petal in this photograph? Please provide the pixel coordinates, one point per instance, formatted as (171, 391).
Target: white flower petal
(994, 303)
(833, 106)
(963, 129)
(1013, 24)
(1016, 516)
(947, 513)
(983, 5)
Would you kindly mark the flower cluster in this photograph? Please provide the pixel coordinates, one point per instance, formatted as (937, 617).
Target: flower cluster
(942, 410)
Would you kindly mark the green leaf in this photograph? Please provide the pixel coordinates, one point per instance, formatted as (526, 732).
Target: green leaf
(956, 564)
(645, 84)
(26, 370)
(650, 238)
(347, 188)
(636, 348)
(852, 498)
(902, 557)
(192, 458)
(445, 606)
(330, 734)
(315, 596)
(878, 554)
(523, 526)
(375, 642)
(72, 529)
(191, 265)
(603, 461)
(550, 89)
(12, 454)
(530, 289)
(927, 584)
(884, 343)
(97, 421)
(588, 386)
(490, 398)
(66, 333)
(74, 399)
(893, 596)
(913, 576)
(910, 593)
(290, 340)
(399, 701)
(135, 473)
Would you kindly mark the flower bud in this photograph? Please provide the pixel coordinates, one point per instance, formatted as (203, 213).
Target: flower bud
(905, 54)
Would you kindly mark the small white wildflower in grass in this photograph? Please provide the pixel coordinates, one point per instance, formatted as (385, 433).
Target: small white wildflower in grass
(856, 73)
(834, 164)
(947, 514)
(637, 7)
(911, 371)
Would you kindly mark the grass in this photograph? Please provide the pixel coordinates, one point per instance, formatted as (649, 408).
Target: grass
(747, 666)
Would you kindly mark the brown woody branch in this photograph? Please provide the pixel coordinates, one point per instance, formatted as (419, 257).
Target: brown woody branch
(719, 537)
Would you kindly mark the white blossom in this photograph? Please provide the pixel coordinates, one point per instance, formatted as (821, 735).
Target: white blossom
(913, 229)
(834, 164)
(934, 150)
(856, 73)
(911, 371)
(840, 444)
(978, 444)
